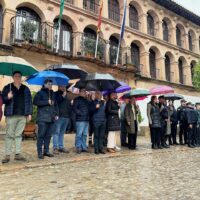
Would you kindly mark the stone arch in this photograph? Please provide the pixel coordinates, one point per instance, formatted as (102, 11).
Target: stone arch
(94, 27)
(191, 39)
(35, 8)
(166, 26)
(180, 33)
(137, 6)
(69, 21)
(152, 23)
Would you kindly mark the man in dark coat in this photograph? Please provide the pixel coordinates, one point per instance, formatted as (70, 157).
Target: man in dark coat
(113, 122)
(181, 115)
(62, 123)
(97, 108)
(192, 120)
(130, 113)
(164, 118)
(81, 110)
(47, 114)
(18, 109)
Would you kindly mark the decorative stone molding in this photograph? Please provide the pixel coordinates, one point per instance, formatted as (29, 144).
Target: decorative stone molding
(128, 35)
(81, 19)
(107, 28)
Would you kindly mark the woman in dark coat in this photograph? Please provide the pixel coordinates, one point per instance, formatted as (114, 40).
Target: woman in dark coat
(1, 104)
(47, 113)
(113, 122)
(153, 113)
(130, 113)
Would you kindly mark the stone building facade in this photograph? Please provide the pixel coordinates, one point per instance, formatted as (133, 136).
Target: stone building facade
(161, 44)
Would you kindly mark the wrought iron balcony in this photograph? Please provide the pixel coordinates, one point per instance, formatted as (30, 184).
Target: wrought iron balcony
(1, 34)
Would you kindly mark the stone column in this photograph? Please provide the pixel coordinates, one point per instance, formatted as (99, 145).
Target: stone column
(8, 14)
(185, 43)
(107, 50)
(160, 68)
(174, 77)
(77, 44)
(127, 15)
(128, 53)
(172, 35)
(159, 30)
(187, 75)
(143, 20)
(144, 60)
(78, 3)
(105, 9)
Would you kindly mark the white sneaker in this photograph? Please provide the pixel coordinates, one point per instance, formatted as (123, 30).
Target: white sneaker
(117, 148)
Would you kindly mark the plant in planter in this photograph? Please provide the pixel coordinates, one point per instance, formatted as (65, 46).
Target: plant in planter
(28, 29)
(30, 128)
(101, 50)
(89, 46)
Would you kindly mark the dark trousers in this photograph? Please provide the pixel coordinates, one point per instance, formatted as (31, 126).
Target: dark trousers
(45, 131)
(198, 135)
(163, 132)
(156, 136)
(99, 134)
(173, 132)
(132, 138)
(192, 134)
(183, 133)
(91, 131)
(123, 134)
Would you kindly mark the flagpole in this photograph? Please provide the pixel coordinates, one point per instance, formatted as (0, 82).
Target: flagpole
(118, 49)
(121, 33)
(97, 42)
(58, 39)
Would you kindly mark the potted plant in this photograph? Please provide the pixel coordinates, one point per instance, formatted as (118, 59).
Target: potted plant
(28, 29)
(30, 128)
(89, 47)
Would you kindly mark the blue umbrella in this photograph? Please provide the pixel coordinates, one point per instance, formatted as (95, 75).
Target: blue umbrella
(57, 78)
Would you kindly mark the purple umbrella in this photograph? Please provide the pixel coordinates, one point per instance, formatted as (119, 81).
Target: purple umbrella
(123, 88)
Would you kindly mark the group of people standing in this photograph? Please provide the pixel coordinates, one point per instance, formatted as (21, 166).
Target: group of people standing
(164, 120)
(101, 115)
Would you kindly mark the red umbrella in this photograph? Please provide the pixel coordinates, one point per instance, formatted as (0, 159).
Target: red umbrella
(158, 90)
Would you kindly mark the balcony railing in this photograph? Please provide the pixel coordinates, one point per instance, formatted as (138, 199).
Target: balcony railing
(91, 6)
(135, 24)
(88, 46)
(180, 43)
(152, 32)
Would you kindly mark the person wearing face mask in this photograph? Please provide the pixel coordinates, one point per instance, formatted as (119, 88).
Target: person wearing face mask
(113, 122)
(18, 109)
(47, 114)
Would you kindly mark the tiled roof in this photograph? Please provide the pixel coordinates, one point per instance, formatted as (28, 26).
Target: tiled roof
(179, 10)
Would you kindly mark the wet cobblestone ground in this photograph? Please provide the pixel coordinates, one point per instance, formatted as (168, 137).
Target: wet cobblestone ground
(144, 174)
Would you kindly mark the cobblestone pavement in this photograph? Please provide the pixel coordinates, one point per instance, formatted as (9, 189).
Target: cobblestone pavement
(145, 174)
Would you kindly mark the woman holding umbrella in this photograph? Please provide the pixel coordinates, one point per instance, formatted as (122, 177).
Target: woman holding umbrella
(130, 113)
(47, 114)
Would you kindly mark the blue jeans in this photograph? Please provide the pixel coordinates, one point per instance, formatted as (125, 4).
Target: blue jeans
(58, 138)
(81, 135)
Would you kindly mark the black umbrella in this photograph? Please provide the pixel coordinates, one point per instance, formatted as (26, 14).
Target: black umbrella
(70, 70)
(98, 82)
(173, 96)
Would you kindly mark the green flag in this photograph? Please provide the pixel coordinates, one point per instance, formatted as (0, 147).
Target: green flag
(62, 3)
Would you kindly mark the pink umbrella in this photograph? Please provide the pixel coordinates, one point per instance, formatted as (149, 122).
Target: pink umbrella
(161, 90)
(140, 98)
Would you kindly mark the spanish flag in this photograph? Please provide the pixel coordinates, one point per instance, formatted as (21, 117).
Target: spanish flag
(100, 17)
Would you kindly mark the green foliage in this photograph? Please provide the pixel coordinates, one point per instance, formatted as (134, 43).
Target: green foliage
(140, 118)
(44, 43)
(196, 76)
(34, 115)
(28, 29)
(89, 45)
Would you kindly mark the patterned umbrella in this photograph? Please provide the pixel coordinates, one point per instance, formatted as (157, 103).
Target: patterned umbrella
(173, 96)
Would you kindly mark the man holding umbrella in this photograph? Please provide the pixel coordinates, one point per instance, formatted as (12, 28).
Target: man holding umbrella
(18, 110)
(47, 114)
